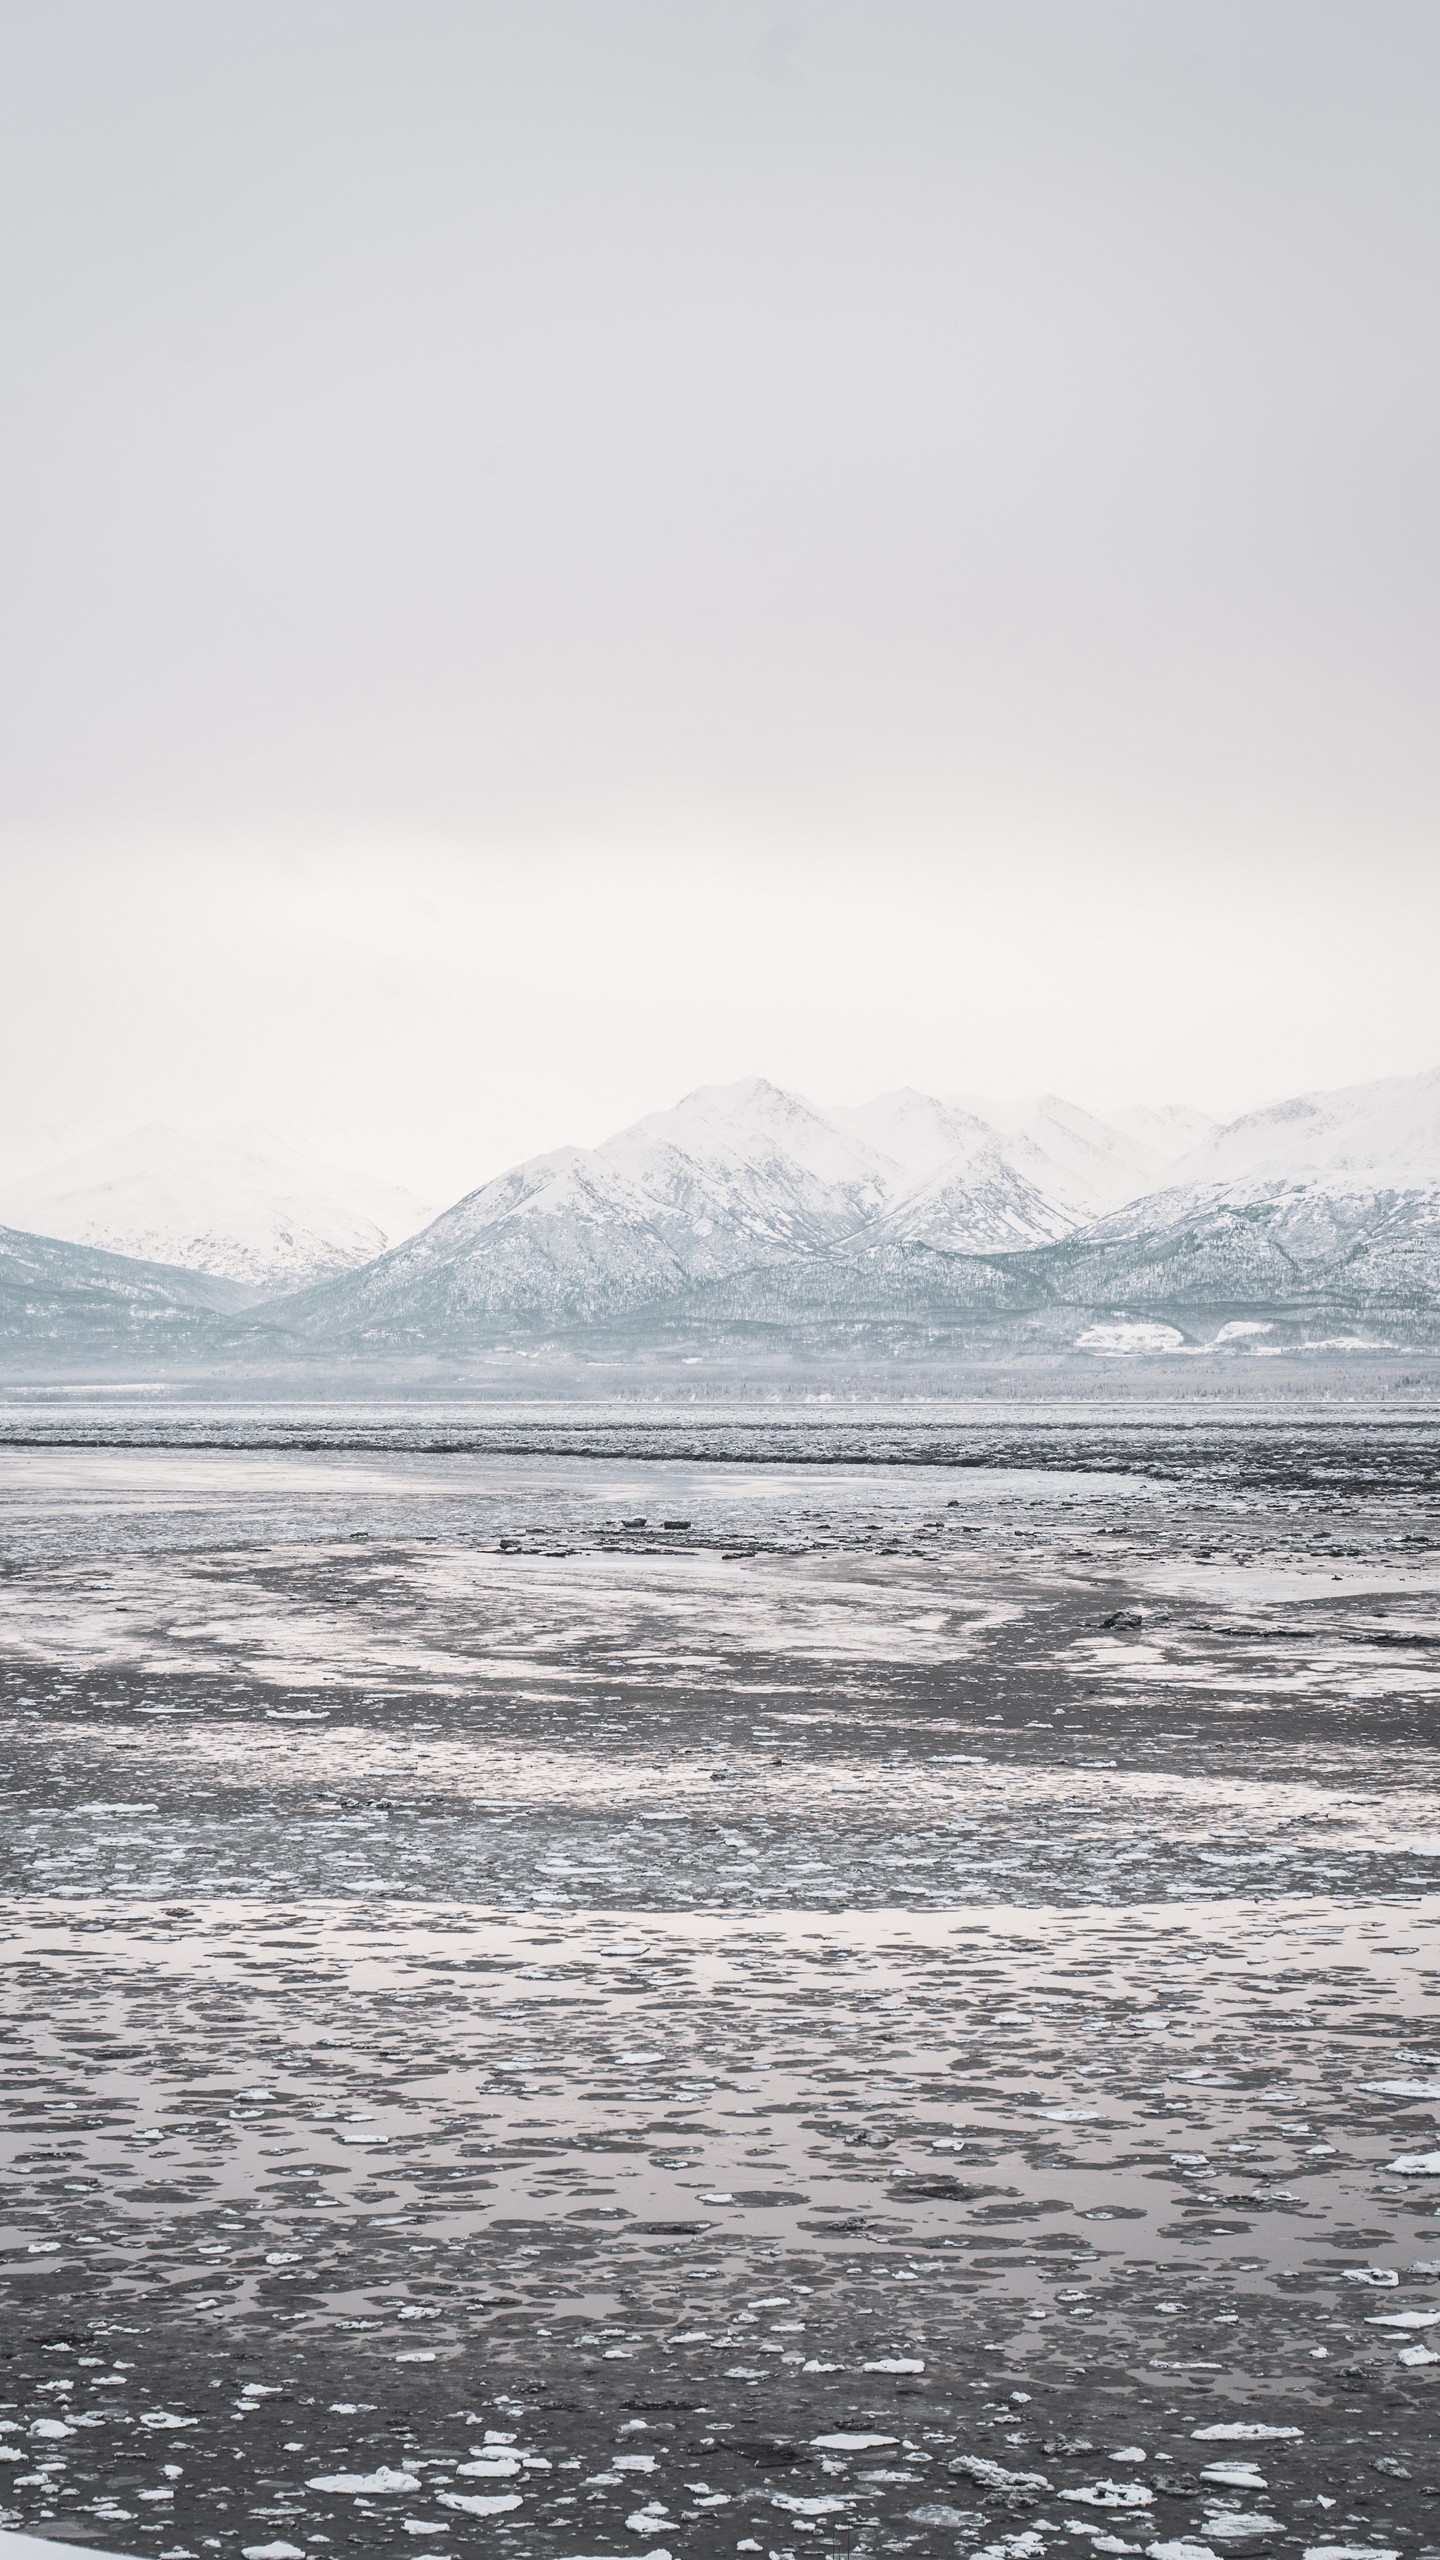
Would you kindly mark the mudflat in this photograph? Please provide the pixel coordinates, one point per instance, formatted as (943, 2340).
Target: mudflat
(779, 1994)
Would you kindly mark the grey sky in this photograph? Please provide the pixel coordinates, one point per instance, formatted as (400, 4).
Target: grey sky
(907, 532)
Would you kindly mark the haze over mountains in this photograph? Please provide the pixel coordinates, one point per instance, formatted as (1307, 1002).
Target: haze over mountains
(748, 1216)
(248, 1207)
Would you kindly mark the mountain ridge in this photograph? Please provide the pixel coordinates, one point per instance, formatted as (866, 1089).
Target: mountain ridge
(746, 1197)
(747, 1214)
(733, 1176)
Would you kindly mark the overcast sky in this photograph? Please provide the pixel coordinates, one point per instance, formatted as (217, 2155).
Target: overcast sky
(555, 552)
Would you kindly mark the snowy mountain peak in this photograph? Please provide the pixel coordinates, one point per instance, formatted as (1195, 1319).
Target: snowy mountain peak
(1078, 1162)
(917, 1132)
(751, 1123)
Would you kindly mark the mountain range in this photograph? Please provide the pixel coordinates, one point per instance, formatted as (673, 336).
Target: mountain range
(748, 1217)
(736, 1179)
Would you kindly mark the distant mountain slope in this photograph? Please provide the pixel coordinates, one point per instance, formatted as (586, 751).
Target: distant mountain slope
(954, 1180)
(250, 1209)
(1079, 1163)
(1168, 1129)
(975, 1202)
(1391, 1128)
(564, 1239)
(1359, 1246)
(62, 1303)
(1330, 1200)
(735, 1167)
(777, 1170)
(914, 1134)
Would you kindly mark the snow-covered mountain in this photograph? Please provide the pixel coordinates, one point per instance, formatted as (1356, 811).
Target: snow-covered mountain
(1082, 1164)
(248, 1208)
(1330, 1201)
(1390, 1129)
(734, 1174)
(735, 1177)
(914, 1132)
(1168, 1129)
(748, 1215)
(1357, 1246)
(1078, 1164)
(954, 1182)
(741, 1166)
